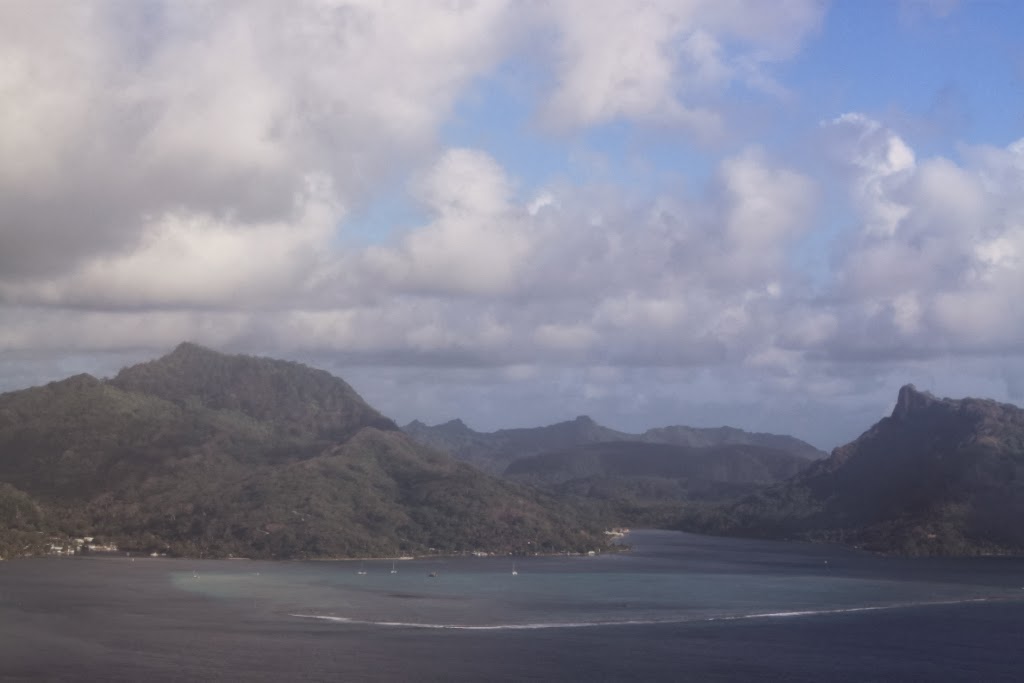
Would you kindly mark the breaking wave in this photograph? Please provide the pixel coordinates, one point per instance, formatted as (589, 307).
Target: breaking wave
(634, 622)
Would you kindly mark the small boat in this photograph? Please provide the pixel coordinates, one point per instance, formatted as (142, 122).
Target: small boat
(432, 575)
(361, 569)
(393, 570)
(514, 572)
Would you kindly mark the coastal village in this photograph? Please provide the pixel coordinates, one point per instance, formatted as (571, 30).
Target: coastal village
(78, 546)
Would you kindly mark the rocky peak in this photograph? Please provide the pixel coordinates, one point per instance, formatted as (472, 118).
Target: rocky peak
(910, 400)
(455, 426)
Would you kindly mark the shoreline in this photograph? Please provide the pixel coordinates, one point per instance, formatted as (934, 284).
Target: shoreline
(614, 544)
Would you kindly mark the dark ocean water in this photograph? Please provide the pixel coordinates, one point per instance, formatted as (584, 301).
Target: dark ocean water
(677, 608)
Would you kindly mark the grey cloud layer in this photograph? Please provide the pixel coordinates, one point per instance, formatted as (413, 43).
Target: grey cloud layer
(176, 171)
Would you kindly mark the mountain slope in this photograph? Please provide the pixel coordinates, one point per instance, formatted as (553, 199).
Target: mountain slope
(293, 399)
(721, 436)
(733, 464)
(939, 476)
(21, 520)
(494, 451)
(633, 483)
(205, 453)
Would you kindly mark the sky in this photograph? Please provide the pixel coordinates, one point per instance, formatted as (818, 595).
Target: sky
(769, 215)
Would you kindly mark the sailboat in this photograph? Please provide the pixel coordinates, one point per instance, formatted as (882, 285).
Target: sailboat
(361, 570)
(514, 572)
(393, 570)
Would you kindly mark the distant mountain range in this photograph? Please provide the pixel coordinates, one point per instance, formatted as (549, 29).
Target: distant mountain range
(939, 476)
(203, 453)
(495, 451)
(626, 479)
(200, 452)
(656, 471)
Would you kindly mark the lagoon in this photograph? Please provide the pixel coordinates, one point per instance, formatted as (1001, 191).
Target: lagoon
(676, 607)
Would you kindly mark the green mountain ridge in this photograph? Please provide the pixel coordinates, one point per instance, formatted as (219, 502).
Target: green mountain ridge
(206, 453)
(728, 464)
(937, 477)
(496, 451)
(634, 483)
(493, 451)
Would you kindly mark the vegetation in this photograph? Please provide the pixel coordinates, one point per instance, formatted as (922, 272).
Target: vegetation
(22, 523)
(495, 451)
(695, 466)
(634, 483)
(201, 453)
(939, 476)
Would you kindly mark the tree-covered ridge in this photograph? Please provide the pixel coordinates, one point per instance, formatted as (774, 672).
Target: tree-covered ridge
(495, 451)
(22, 523)
(633, 483)
(939, 476)
(736, 464)
(294, 399)
(204, 453)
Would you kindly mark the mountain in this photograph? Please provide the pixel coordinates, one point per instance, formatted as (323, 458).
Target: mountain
(203, 453)
(731, 436)
(291, 399)
(635, 483)
(698, 467)
(494, 451)
(21, 523)
(938, 476)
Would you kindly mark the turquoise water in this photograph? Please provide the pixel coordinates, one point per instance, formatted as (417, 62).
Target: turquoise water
(640, 587)
(675, 608)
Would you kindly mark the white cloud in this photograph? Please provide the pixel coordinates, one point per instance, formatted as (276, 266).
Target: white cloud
(657, 60)
(477, 242)
(766, 207)
(185, 258)
(113, 112)
(879, 162)
(565, 337)
(942, 275)
(143, 130)
(187, 170)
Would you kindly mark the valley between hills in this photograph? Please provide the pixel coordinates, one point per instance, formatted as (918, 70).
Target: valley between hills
(200, 453)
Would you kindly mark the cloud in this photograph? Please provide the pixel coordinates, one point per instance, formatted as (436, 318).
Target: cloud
(160, 131)
(502, 279)
(878, 161)
(937, 261)
(219, 109)
(185, 258)
(176, 171)
(476, 243)
(657, 61)
(765, 207)
(492, 278)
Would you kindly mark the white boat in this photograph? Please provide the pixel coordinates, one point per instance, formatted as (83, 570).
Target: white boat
(514, 572)
(393, 570)
(361, 569)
